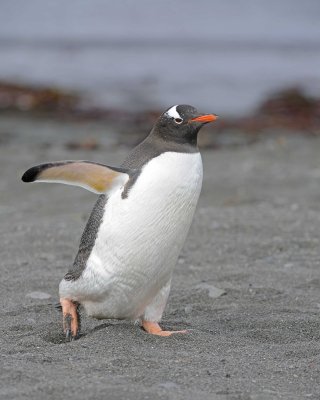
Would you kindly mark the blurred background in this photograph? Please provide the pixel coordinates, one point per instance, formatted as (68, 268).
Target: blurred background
(90, 75)
(222, 56)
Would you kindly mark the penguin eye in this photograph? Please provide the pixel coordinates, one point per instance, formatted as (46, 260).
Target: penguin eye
(178, 120)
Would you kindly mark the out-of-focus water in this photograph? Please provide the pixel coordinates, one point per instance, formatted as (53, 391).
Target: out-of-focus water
(223, 56)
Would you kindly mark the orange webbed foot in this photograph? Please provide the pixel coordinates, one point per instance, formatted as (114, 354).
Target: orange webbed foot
(155, 329)
(71, 319)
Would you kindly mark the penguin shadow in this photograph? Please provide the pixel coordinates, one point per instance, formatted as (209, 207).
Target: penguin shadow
(94, 330)
(55, 335)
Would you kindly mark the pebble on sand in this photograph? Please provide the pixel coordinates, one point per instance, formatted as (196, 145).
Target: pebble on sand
(213, 291)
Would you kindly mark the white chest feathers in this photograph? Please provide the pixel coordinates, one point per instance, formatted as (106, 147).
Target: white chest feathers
(157, 212)
(141, 236)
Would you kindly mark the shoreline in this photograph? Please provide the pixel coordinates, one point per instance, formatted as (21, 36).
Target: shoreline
(286, 111)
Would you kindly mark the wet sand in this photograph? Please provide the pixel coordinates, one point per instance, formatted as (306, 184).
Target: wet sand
(255, 236)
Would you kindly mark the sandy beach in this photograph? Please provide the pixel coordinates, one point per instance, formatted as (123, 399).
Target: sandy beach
(86, 80)
(246, 285)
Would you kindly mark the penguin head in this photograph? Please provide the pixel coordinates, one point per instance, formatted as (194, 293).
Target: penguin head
(181, 124)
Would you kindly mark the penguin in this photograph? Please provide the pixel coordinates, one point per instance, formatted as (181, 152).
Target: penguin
(137, 228)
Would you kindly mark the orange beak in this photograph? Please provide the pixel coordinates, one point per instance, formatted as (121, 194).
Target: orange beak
(204, 118)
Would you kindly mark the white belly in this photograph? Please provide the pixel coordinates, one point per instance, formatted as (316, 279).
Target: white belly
(140, 237)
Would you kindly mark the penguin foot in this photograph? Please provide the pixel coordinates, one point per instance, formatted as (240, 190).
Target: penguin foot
(70, 319)
(155, 329)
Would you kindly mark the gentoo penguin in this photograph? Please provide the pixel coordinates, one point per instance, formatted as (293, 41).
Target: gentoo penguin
(138, 226)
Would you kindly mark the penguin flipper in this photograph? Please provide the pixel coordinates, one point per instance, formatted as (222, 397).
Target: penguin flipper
(97, 178)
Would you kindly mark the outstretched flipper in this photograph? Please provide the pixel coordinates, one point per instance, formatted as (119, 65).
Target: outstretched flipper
(97, 178)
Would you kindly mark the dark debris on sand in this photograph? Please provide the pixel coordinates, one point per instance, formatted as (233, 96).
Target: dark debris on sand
(289, 109)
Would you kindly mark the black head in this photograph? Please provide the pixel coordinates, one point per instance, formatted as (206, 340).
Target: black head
(181, 124)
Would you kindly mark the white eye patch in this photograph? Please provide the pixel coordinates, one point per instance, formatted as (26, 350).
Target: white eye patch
(173, 113)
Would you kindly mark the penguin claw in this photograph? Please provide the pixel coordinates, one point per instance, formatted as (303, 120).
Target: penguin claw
(58, 307)
(68, 335)
(168, 333)
(67, 321)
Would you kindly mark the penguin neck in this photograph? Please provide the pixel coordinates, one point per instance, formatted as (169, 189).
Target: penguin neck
(167, 142)
(153, 146)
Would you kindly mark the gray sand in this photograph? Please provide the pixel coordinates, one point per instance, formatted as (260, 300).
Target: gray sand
(246, 285)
